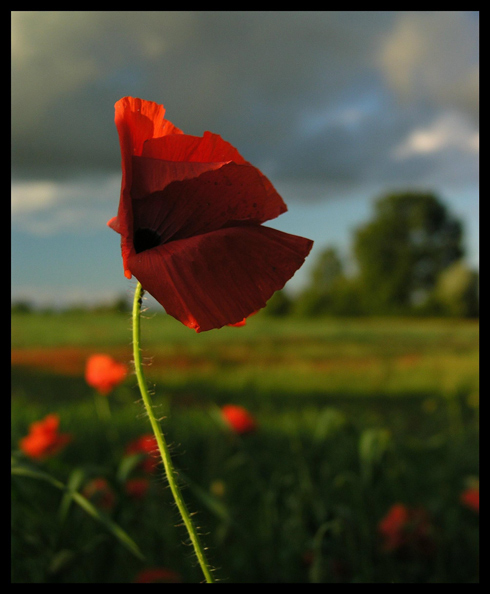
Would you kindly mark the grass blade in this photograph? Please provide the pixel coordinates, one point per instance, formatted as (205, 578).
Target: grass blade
(116, 530)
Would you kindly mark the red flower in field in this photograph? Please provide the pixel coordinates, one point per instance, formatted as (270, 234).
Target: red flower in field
(471, 498)
(100, 493)
(43, 439)
(137, 487)
(404, 527)
(155, 575)
(146, 444)
(103, 373)
(238, 418)
(190, 217)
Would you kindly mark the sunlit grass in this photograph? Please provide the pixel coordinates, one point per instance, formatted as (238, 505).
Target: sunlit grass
(273, 356)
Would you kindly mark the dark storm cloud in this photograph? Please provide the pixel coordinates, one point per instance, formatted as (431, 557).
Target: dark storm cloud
(325, 96)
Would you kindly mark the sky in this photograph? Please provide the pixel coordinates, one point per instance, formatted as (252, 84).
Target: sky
(335, 108)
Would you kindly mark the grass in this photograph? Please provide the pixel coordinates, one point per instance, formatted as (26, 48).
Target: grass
(353, 416)
(270, 356)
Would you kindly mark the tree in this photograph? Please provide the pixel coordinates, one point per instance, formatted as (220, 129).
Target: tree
(317, 297)
(21, 307)
(330, 291)
(328, 268)
(278, 305)
(402, 251)
(456, 291)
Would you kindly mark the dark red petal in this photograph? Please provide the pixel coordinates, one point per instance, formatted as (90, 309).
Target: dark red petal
(219, 278)
(233, 194)
(154, 175)
(210, 148)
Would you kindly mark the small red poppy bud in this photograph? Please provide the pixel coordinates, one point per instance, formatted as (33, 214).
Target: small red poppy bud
(103, 373)
(44, 439)
(238, 419)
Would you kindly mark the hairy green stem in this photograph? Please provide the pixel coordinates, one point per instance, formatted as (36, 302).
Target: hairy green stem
(162, 444)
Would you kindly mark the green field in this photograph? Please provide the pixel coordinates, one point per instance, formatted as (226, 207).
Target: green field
(353, 416)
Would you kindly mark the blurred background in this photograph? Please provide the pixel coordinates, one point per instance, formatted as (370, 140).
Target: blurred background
(332, 438)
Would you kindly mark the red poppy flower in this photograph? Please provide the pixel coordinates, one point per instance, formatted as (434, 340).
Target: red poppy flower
(238, 418)
(103, 373)
(43, 439)
(146, 444)
(404, 527)
(471, 498)
(190, 218)
(100, 493)
(155, 575)
(137, 487)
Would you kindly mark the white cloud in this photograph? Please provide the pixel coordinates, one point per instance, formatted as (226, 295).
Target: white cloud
(29, 196)
(449, 131)
(82, 204)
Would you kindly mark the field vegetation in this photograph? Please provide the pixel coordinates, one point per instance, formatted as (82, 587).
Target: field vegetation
(353, 416)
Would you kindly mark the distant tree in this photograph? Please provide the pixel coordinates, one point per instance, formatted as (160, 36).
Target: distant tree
(328, 267)
(329, 291)
(346, 297)
(403, 250)
(456, 291)
(121, 304)
(279, 304)
(311, 303)
(21, 307)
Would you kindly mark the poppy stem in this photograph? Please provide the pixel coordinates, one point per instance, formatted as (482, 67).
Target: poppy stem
(104, 413)
(162, 444)
(102, 407)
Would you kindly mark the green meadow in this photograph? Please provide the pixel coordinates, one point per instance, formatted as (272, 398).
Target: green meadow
(353, 416)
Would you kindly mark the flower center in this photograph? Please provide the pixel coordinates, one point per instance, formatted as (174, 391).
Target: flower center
(145, 239)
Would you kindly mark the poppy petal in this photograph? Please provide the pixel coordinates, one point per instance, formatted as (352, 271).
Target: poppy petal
(222, 197)
(138, 120)
(154, 175)
(208, 148)
(214, 279)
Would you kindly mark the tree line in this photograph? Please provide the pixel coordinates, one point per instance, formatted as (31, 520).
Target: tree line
(408, 260)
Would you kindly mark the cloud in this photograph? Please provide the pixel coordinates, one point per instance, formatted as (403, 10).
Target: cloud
(77, 205)
(28, 197)
(448, 131)
(433, 57)
(325, 96)
(57, 54)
